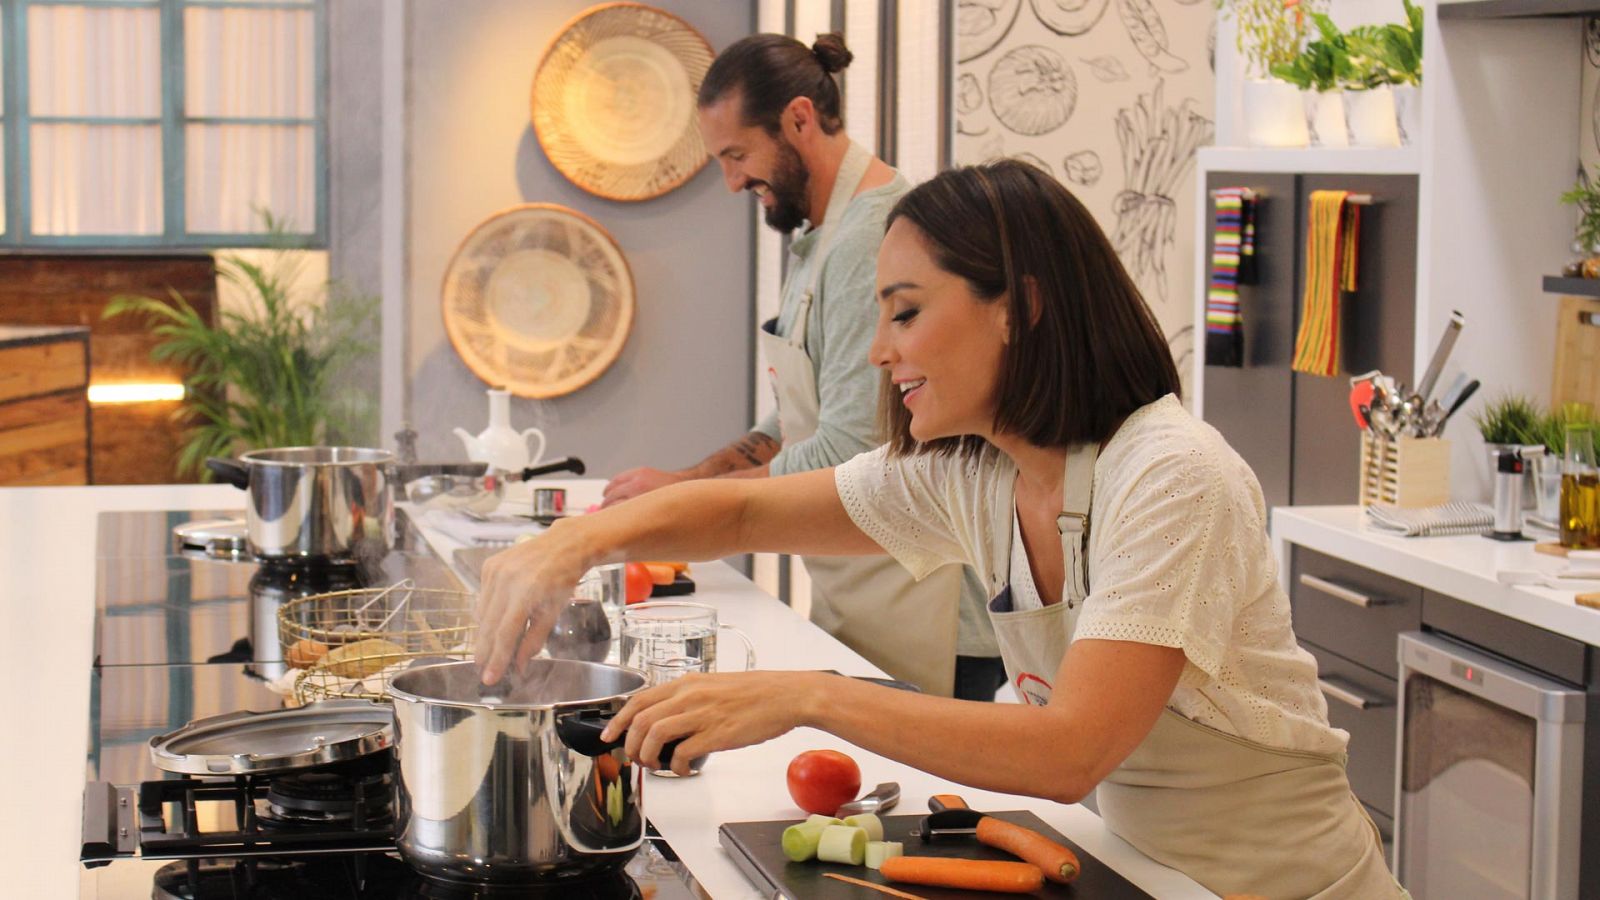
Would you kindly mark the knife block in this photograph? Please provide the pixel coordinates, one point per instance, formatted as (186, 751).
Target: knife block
(1407, 471)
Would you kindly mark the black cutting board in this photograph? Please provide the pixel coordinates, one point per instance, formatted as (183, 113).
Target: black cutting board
(756, 848)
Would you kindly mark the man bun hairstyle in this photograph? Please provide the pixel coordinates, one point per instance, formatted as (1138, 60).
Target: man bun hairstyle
(1084, 349)
(770, 70)
(831, 52)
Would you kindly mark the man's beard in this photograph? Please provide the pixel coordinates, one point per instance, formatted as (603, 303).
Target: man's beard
(790, 207)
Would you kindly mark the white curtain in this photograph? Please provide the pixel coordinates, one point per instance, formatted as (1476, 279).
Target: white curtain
(105, 62)
(102, 62)
(250, 63)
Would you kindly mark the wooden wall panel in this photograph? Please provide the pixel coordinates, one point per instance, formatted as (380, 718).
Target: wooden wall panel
(132, 443)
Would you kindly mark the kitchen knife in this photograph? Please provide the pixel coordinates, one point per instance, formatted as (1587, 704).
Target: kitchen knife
(1466, 394)
(1447, 342)
(881, 799)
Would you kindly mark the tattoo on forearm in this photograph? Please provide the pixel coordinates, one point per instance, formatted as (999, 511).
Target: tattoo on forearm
(756, 448)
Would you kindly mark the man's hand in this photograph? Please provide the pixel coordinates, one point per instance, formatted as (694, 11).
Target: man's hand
(638, 481)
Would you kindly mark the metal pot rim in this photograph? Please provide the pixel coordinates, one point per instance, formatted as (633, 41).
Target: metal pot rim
(361, 456)
(398, 693)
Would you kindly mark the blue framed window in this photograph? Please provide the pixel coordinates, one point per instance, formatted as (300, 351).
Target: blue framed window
(162, 123)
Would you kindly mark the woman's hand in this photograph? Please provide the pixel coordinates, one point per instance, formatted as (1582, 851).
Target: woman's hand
(524, 590)
(712, 712)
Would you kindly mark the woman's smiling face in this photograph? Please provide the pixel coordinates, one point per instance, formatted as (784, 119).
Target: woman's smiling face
(941, 345)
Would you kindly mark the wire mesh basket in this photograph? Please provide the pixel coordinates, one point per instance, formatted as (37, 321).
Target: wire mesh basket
(349, 643)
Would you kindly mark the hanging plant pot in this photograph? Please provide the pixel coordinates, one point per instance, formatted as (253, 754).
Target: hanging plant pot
(1371, 116)
(1325, 114)
(1274, 115)
(1408, 112)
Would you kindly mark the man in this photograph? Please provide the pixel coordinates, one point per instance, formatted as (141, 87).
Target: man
(769, 111)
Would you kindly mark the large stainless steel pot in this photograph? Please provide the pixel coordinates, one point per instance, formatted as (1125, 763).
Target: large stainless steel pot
(511, 783)
(315, 502)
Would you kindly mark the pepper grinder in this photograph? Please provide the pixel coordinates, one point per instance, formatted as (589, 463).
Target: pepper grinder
(1509, 466)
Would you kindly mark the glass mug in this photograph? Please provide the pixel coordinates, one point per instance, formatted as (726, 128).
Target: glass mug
(668, 639)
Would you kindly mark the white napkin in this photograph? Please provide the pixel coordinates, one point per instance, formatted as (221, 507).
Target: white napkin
(495, 532)
(1446, 518)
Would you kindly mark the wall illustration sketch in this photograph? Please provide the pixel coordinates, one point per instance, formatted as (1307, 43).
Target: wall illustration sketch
(1077, 87)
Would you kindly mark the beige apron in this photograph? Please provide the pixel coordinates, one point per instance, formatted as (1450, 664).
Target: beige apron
(1234, 815)
(870, 603)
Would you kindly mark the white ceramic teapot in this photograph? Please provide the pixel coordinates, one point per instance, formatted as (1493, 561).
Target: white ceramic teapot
(500, 445)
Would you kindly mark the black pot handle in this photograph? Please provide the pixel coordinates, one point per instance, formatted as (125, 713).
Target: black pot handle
(566, 464)
(229, 471)
(581, 732)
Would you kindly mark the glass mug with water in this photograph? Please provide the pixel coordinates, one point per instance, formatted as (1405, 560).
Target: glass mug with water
(667, 639)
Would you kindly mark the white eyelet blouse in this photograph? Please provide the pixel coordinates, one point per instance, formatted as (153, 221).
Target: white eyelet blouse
(1178, 557)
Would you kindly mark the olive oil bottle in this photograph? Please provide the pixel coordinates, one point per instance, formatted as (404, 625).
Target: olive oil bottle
(1580, 492)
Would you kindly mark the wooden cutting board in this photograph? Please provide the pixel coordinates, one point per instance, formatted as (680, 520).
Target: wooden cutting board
(755, 847)
(1577, 367)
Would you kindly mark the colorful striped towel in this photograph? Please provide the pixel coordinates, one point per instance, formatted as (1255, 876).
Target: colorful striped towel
(1232, 264)
(1331, 243)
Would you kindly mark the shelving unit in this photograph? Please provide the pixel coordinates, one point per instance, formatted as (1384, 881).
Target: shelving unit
(1450, 10)
(1572, 287)
(1312, 160)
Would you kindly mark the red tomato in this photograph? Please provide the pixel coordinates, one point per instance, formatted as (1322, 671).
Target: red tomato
(821, 781)
(638, 584)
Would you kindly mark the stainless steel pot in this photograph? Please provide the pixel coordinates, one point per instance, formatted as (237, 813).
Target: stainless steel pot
(315, 502)
(512, 783)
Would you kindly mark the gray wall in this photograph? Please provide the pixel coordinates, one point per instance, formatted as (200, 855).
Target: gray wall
(681, 387)
(355, 200)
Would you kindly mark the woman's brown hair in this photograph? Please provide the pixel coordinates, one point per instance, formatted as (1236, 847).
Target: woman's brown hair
(1084, 350)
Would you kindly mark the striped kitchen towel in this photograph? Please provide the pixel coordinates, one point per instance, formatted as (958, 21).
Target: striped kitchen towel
(1432, 521)
(1331, 242)
(1232, 264)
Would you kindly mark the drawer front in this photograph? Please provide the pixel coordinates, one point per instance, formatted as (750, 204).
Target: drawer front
(1362, 703)
(44, 440)
(1355, 612)
(33, 369)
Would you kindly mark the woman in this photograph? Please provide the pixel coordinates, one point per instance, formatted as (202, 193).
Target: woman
(1036, 435)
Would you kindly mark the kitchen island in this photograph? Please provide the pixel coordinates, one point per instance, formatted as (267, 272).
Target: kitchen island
(47, 590)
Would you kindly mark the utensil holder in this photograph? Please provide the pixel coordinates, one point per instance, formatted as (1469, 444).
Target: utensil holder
(1406, 471)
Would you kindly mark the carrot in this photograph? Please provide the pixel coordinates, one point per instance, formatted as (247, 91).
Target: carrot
(1058, 863)
(674, 566)
(967, 874)
(948, 801)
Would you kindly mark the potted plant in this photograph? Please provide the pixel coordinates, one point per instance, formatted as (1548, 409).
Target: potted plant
(264, 376)
(1270, 33)
(1382, 58)
(1320, 70)
(1510, 422)
(1586, 237)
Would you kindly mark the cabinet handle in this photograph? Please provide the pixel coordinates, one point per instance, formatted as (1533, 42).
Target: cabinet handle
(1346, 696)
(1338, 592)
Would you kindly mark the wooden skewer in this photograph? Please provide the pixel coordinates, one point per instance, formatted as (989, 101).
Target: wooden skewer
(877, 887)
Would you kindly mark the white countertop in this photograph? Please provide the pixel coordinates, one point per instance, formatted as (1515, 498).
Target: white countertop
(1462, 567)
(47, 540)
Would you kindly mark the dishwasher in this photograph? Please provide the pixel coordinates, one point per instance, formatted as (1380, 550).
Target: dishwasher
(1489, 776)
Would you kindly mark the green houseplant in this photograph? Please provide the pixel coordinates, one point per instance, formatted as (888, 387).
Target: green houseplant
(1510, 419)
(1270, 33)
(1586, 236)
(1320, 70)
(264, 376)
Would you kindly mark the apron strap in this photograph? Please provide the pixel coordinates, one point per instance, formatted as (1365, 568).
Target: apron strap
(852, 168)
(1077, 492)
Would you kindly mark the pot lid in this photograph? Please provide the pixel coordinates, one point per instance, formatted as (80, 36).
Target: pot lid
(241, 743)
(545, 683)
(221, 538)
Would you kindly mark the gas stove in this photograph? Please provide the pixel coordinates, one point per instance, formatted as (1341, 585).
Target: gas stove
(185, 637)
